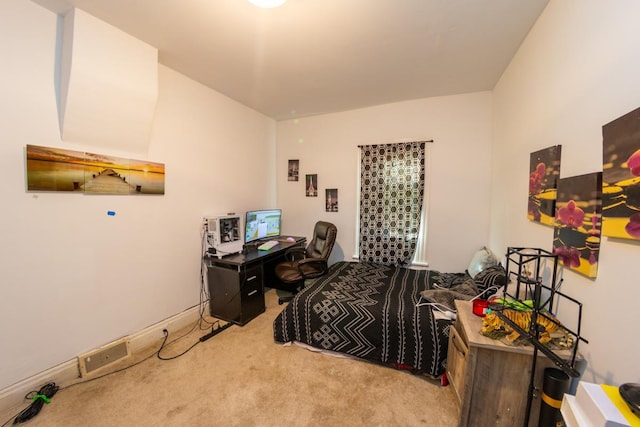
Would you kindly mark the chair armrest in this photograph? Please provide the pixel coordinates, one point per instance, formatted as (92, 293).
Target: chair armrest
(318, 263)
(294, 253)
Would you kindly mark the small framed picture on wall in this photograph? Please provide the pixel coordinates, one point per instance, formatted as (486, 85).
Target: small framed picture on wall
(293, 170)
(331, 195)
(311, 185)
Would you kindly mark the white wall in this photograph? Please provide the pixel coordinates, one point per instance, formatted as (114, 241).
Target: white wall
(459, 169)
(576, 71)
(73, 278)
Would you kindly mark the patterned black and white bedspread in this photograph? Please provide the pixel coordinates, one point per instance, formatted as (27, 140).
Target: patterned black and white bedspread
(369, 311)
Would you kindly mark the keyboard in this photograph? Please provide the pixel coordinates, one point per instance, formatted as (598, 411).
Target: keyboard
(268, 245)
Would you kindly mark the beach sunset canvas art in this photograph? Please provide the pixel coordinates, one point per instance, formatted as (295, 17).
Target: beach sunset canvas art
(55, 169)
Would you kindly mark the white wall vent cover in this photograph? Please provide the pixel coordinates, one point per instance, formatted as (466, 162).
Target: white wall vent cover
(108, 85)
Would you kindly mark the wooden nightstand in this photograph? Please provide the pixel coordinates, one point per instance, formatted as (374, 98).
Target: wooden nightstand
(491, 379)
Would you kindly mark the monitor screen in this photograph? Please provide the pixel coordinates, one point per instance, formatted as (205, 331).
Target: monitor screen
(262, 224)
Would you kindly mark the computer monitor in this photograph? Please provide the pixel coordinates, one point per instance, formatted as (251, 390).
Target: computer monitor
(262, 224)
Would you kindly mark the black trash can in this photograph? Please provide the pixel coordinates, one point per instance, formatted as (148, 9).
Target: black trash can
(556, 383)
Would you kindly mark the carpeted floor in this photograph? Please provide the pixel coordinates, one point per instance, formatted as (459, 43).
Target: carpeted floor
(241, 377)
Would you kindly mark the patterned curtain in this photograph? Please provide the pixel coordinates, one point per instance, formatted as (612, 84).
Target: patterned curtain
(391, 193)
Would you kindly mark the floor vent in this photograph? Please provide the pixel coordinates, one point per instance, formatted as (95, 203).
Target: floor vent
(103, 356)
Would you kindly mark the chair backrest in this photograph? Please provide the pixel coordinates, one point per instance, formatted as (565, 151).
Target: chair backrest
(324, 237)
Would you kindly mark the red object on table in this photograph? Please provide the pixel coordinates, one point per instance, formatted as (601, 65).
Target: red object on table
(480, 307)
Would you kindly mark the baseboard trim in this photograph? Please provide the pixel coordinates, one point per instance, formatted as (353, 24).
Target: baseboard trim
(68, 372)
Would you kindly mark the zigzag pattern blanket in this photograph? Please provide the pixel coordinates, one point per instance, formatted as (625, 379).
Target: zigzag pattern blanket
(369, 311)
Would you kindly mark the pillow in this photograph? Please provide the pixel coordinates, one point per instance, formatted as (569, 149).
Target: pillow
(482, 259)
(448, 280)
(464, 291)
(489, 277)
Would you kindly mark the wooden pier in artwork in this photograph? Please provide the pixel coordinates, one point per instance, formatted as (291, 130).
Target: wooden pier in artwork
(109, 182)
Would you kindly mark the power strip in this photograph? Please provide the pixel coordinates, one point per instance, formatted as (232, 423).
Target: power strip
(215, 332)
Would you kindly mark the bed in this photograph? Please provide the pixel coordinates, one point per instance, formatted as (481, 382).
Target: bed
(383, 314)
(369, 311)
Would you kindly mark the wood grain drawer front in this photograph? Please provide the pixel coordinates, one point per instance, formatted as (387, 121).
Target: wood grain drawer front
(457, 358)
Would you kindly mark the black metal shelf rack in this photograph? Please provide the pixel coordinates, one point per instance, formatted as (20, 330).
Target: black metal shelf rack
(528, 269)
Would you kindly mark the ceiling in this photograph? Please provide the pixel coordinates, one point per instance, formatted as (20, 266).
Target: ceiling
(313, 57)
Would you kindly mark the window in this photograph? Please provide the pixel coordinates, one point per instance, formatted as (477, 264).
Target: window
(391, 226)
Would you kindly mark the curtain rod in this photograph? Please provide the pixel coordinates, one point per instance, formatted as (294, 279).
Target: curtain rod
(405, 142)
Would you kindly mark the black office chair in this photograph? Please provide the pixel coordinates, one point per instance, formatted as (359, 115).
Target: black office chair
(306, 263)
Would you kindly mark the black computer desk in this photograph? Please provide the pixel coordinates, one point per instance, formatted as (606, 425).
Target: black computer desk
(236, 282)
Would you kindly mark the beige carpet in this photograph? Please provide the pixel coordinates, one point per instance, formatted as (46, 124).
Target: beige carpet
(241, 377)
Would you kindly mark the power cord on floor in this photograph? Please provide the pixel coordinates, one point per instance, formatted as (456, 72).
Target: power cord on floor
(214, 331)
(166, 336)
(47, 391)
(39, 398)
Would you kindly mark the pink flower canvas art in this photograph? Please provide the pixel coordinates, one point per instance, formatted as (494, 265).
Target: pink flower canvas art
(576, 237)
(621, 177)
(544, 170)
